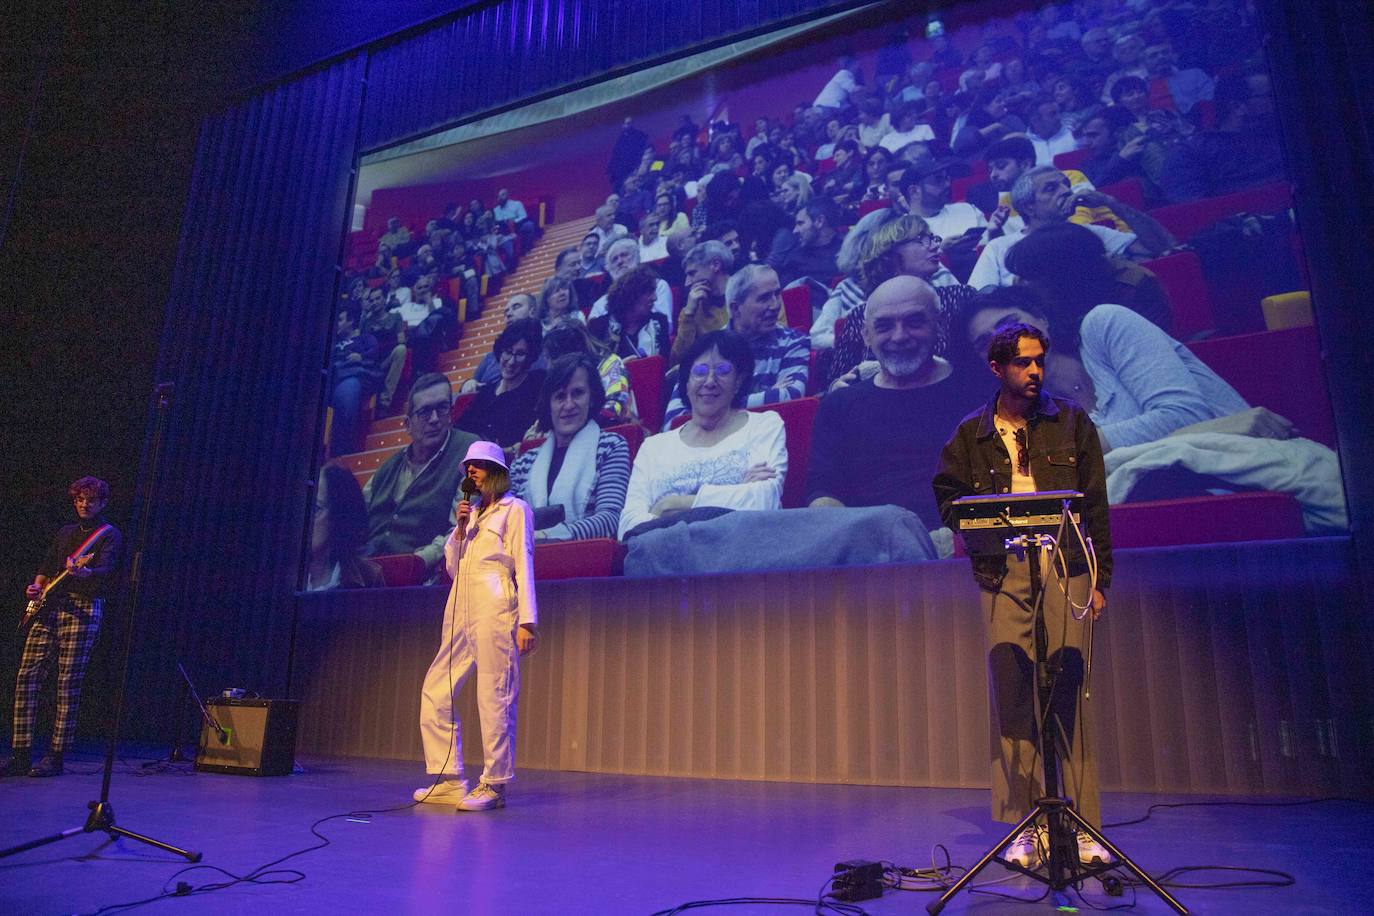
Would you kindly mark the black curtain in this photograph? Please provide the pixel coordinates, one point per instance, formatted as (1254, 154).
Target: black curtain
(245, 344)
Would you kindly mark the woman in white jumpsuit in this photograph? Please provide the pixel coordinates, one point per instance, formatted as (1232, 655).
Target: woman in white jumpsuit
(489, 621)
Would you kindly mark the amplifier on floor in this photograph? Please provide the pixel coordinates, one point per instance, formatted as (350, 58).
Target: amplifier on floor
(259, 737)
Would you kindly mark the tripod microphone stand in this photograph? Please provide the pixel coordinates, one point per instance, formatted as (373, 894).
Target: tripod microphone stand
(1062, 867)
(102, 816)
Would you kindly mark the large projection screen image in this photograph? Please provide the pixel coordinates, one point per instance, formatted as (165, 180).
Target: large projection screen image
(653, 292)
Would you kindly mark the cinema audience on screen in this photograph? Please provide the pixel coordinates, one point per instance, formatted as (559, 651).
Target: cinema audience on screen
(877, 163)
(1136, 382)
(899, 418)
(411, 498)
(794, 193)
(839, 90)
(901, 247)
(575, 479)
(503, 410)
(618, 405)
(568, 264)
(1117, 152)
(671, 219)
(1243, 150)
(1044, 197)
(1065, 255)
(844, 184)
(907, 129)
(849, 293)
(620, 260)
(385, 326)
(1075, 99)
(488, 372)
(558, 303)
(607, 229)
(1007, 160)
(354, 375)
(989, 120)
(717, 199)
(396, 238)
(338, 529)
(652, 246)
(630, 325)
(780, 357)
(431, 324)
(1047, 130)
(723, 458)
(1180, 89)
(508, 210)
(589, 260)
(810, 249)
(926, 186)
(707, 267)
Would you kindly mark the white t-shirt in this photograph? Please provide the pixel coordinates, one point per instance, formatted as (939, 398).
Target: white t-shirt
(894, 141)
(954, 219)
(836, 92)
(1046, 148)
(1020, 483)
(991, 269)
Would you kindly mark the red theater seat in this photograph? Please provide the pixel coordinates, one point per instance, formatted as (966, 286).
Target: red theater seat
(959, 187)
(578, 559)
(460, 404)
(632, 433)
(1188, 219)
(1207, 520)
(1247, 361)
(401, 569)
(646, 381)
(870, 206)
(796, 303)
(1189, 302)
(1130, 192)
(1071, 160)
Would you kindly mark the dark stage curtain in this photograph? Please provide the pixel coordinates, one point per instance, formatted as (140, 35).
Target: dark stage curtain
(245, 343)
(499, 53)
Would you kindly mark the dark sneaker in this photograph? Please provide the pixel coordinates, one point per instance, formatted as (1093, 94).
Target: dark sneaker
(50, 765)
(17, 764)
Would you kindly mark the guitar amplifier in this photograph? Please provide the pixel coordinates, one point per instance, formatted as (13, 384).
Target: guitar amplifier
(261, 737)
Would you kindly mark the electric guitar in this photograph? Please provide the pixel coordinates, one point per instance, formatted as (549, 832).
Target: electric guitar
(36, 604)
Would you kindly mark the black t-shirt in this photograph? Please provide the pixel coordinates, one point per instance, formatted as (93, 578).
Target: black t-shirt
(504, 418)
(881, 446)
(103, 566)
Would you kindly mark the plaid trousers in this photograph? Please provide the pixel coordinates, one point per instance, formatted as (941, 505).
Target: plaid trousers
(64, 630)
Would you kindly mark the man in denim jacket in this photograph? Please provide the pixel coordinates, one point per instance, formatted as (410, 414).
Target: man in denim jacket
(1023, 441)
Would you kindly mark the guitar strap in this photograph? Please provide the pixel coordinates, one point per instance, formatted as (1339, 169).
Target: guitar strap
(88, 545)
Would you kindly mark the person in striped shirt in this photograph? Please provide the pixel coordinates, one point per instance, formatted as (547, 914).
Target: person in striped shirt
(575, 481)
(782, 356)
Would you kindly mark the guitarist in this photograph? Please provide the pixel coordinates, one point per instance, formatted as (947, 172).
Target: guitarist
(83, 557)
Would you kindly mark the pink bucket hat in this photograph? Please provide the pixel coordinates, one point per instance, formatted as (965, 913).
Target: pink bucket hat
(485, 451)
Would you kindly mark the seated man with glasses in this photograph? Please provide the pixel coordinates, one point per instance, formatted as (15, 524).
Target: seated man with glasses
(898, 419)
(504, 409)
(410, 500)
(781, 356)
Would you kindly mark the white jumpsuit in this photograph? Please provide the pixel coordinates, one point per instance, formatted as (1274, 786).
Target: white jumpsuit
(492, 594)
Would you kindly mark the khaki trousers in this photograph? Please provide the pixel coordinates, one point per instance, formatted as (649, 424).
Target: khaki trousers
(1016, 765)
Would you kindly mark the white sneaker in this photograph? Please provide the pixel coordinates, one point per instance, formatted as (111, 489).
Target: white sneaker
(1025, 849)
(444, 792)
(1090, 851)
(484, 798)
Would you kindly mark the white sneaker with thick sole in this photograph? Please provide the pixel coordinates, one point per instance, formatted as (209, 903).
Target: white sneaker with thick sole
(1090, 851)
(443, 792)
(484, 798)
(1025, 849)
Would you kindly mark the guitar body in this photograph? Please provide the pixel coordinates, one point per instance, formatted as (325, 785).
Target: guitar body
(36, 604)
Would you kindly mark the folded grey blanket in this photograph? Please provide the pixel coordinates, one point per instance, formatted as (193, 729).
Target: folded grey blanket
(747, 541)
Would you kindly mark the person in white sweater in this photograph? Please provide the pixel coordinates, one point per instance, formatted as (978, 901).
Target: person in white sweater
(723, 457)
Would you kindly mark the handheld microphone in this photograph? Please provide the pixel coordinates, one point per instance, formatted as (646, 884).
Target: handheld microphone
(469, 487)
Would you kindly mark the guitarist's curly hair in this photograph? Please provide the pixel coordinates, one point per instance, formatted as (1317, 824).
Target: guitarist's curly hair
(89, 486)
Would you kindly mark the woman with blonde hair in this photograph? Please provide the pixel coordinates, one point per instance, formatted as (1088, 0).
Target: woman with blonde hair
(904, 246)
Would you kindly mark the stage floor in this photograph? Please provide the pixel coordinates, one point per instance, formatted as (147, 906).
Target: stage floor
(578, 843)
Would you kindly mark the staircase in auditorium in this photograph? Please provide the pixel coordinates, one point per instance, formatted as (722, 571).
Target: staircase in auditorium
(536, 266)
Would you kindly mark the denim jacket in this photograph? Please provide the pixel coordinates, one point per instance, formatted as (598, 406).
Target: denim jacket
(1065, 454)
